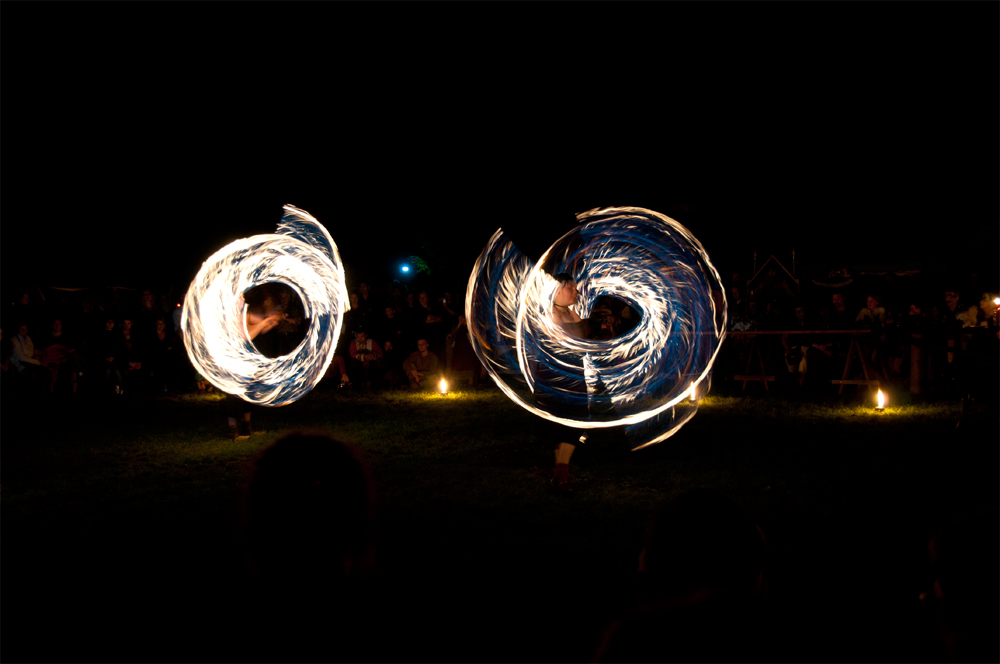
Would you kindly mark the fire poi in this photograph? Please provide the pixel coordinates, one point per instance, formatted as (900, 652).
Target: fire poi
(300, 254)
(646, 375)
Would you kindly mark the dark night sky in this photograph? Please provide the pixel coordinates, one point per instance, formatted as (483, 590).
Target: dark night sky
(131, 156)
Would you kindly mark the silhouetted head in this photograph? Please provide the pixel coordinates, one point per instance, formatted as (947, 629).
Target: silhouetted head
(310, 512)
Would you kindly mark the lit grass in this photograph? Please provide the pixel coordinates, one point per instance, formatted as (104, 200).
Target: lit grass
(467, 448)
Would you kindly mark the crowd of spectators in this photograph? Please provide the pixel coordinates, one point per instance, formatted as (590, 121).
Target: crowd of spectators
(120, 341)
(113, 342)
(952, 332)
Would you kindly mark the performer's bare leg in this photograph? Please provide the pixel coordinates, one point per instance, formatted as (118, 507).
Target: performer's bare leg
(560, 475)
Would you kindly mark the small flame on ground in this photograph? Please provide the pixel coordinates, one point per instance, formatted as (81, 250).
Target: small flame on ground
(443, 386)
(881, 400)
(694, 396)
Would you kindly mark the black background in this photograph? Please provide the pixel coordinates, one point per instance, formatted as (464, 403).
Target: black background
(138, 140)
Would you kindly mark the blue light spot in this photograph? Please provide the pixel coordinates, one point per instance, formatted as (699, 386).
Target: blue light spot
(405, 268)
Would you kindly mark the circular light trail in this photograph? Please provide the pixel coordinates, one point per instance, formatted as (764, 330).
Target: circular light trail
(300, 254)
(641, 380)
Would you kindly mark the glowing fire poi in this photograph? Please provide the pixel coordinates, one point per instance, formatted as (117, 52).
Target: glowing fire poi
(642, 257)
(302, 255)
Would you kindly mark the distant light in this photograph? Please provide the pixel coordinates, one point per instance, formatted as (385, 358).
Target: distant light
(405, 268)
(996, 301)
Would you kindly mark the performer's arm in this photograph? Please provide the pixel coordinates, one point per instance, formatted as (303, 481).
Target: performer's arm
(257, 325)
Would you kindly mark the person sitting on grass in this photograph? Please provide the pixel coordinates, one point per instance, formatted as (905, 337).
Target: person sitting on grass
(421, 367)
(26, 359)
(366, 359)
(60, 354)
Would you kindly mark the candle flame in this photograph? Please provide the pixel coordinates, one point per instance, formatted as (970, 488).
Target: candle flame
(881, 400)
(694, 396)
(444, 386)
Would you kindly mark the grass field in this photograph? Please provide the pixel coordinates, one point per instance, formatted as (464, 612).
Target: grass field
(121, 521)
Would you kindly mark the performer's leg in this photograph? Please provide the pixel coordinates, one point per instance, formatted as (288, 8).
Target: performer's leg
(560, 474)
(564, 452)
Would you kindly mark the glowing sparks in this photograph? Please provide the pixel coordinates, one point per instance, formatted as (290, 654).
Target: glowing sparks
(642, 257)
(301, 255)
(881, 400)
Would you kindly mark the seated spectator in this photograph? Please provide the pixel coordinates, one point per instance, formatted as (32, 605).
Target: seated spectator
(421, 367)
(464, 363)
(106, 356)
(389, 327)
(27, 360)
(134, 374)
(393, 365)
(702, 588)
(336, 374)
(353, 319)
(840, 319)
(603, 322)
(737, 302)
(201, 384)
(291, 329)
(368, 302)
(987, 316)
(430, 323)
(750, 319)
(161, 356)
(59, 356)
(366, 359)
(872, 317)
(447, 305)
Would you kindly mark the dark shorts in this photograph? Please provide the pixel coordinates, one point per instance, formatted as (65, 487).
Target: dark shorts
(235, 406)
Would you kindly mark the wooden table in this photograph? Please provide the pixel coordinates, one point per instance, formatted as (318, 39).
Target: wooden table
(854, 350)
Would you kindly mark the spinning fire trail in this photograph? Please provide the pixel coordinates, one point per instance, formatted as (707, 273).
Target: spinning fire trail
(301, 255)
(648, 374)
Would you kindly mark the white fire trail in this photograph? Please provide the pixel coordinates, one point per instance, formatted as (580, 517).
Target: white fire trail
(301, 255)
(642, 257)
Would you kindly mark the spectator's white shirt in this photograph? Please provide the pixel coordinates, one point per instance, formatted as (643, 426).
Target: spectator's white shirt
(24, 352)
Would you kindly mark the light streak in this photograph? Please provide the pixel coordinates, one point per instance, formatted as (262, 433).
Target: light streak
(640, 256)
(300, 254)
